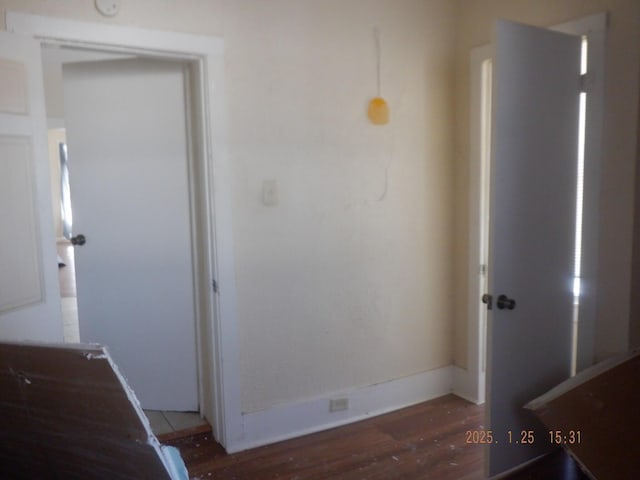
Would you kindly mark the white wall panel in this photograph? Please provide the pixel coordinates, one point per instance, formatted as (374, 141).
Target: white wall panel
(29, 294)
(20, 283)
(13, 91)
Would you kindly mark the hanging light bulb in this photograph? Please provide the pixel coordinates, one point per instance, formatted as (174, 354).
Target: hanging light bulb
(378, 111)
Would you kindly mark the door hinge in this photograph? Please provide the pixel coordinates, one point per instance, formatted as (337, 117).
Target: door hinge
(483, 269)
(586, 82)
(214, 285)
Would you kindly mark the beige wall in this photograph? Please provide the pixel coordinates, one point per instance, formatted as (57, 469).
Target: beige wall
(348, 280)
(192, 16)
(621, 127)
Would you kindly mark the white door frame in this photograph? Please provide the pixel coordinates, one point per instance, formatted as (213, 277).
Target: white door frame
(213, 242)
(480, 160)
(472, 384)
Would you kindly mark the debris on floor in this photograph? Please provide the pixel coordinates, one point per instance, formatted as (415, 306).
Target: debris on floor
(594, 415)
(68, 413)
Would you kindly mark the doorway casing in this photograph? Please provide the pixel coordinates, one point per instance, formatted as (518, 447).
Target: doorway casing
(470, 383)
(210, 180)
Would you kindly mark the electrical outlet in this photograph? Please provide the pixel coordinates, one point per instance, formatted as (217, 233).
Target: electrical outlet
(338, 404)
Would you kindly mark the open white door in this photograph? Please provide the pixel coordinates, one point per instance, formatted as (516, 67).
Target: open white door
(127, 140)
(29, 292)
(535, 144)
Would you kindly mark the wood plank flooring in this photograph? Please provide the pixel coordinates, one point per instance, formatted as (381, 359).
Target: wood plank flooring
(425, 441)
(555, 466)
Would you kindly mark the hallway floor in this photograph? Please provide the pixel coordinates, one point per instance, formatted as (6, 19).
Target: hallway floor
(424, 441)
(68, 295)
(168, 423)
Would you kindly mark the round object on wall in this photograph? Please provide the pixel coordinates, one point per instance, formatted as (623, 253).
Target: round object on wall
(108, 8)
(378, 111)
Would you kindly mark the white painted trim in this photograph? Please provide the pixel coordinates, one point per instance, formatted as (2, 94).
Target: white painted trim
(208, 52)
(54, 29)
(465, 385)
(195, 126)
(472, 380)
(295, 419)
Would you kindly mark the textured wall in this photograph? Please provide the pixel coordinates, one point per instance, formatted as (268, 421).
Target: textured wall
(347, 281)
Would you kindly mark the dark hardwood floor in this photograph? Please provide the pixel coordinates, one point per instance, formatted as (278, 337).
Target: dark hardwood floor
(425, 441)
(555, 466)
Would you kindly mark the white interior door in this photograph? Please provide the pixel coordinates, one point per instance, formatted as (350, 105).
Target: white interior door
(127, 143)
(533, 179)
(29, 292)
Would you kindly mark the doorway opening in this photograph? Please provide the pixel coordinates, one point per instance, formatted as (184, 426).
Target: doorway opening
(62, 215)
(592, 31)
(215, 292)
(159, 175)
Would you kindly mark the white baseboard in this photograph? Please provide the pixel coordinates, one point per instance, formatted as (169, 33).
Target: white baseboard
(466, 385)
(462, 385)
(293, 420)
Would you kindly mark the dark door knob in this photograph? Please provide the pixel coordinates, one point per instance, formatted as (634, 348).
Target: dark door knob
(488, 301)
(78, 240)
(505, 302)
